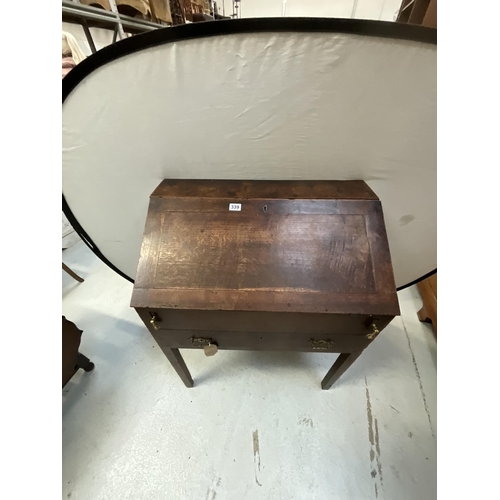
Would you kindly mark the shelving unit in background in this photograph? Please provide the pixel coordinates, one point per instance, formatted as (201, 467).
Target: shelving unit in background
(93, 17)
(131, 17)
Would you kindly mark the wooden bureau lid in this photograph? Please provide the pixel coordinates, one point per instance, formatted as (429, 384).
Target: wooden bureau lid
(312, 247)
(307, 190)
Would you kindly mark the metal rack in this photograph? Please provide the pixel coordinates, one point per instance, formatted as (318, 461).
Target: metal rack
(92, 17)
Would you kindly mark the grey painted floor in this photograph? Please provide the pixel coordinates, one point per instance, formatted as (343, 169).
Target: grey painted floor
(255, 426)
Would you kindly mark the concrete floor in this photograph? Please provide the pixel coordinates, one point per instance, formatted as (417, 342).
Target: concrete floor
(255, 426)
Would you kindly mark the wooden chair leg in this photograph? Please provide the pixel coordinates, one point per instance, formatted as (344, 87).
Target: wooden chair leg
(177, 361)
(71, 273)
(84, 363)
(423, 315)
(342, 363)
(428, 291)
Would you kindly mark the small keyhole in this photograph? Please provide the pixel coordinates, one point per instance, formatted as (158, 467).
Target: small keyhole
(264, 208)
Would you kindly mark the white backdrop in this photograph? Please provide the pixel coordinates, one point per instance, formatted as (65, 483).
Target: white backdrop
(257, 106)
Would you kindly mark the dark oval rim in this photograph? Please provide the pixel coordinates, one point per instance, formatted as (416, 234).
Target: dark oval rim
(162, 36)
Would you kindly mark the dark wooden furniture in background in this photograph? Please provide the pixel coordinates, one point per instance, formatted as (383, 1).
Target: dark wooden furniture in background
(423, 12)
(428, 291)
(72, 273)
(72, 360)
(265, 265)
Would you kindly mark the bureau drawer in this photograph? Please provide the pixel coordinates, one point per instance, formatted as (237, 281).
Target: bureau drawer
(242, 322)
(261, 341)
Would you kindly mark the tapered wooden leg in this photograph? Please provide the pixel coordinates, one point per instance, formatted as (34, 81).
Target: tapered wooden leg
(72, 273)
(428, 291)
(342, 363)
(423, 315)
(176, 360)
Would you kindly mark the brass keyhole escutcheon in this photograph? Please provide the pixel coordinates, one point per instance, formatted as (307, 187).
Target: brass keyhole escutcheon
(209, 345)
(153, 321)
(375, 331)
(321, 345)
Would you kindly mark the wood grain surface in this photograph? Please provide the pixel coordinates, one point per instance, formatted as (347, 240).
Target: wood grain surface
(300, 249)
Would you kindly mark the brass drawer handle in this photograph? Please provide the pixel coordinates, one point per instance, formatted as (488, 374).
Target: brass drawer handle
(321, 345)
(209, 345)
(153, 321)
(374, 332)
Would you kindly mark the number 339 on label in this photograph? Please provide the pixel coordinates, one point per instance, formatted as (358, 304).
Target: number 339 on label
(235, 207)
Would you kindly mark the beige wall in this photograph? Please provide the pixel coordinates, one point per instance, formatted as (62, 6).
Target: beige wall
(384, 10)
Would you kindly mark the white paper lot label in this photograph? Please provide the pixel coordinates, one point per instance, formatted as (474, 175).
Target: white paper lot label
(235, 207)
